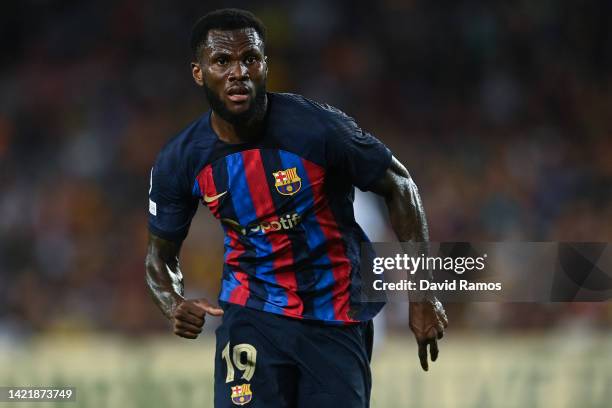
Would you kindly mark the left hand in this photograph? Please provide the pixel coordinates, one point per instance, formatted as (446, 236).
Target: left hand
(427, 322)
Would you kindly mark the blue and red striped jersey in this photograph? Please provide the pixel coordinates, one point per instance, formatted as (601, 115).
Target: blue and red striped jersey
(285, 202)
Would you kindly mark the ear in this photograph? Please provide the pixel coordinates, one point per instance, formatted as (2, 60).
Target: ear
(266, 62)
(198, 74)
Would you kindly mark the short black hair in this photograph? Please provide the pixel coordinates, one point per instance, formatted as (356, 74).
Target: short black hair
(223, 19)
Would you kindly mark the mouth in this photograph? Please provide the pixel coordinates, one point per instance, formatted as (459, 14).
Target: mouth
(238, 94)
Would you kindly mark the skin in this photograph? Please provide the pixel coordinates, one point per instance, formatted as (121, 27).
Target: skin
(232, 60)
(235, 60)
(407, 215)
(165, 281)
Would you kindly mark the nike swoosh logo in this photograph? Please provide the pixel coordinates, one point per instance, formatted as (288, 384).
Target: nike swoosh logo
(210, 199)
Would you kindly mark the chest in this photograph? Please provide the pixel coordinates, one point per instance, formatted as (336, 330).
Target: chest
(262, 187)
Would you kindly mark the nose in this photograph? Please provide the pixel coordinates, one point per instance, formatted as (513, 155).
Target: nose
(238, 72)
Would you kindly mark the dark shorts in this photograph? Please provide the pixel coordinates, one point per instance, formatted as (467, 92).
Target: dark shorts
(266, 360)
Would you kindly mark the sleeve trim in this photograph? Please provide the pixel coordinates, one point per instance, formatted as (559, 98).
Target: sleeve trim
(176, 237)
(380, 171)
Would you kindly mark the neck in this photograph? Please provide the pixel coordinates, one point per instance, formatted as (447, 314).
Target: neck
(239, 133)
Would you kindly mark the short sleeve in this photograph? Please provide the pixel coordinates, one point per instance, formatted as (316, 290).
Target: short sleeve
(171, 203)
(358, 155)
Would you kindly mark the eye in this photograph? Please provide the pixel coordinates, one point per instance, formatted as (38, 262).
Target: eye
(251, 59)
(221, 61)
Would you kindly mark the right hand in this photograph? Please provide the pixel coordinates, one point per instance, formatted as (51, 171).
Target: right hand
(428, 321)
(189, 317)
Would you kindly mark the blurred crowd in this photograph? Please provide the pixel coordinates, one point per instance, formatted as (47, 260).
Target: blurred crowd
(502, 112)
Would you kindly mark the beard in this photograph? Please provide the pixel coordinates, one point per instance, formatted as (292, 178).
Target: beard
(256, 110)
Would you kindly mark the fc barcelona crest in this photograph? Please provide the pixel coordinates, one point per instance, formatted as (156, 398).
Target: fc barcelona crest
(287, 182)
(241, 394)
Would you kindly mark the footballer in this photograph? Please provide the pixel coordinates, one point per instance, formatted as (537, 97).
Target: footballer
(278, 171)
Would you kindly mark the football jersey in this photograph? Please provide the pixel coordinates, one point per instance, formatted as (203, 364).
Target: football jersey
(285, 202)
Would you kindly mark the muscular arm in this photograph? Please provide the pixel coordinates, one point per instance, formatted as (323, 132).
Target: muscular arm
(406, 211)
(407, 216)
(165, 281)
(163, 274)
(404, 203)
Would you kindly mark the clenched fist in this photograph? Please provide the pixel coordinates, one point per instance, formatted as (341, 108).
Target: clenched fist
(190, 315)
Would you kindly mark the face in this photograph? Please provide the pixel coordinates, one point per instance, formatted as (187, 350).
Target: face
(233, 70)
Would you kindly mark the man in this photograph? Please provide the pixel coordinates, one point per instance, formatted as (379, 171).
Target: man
(278, 171)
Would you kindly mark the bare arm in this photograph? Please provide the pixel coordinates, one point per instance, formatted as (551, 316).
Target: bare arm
(406, 211)
(163, 274)
(407, 216)
(404, 203)
(165, 282)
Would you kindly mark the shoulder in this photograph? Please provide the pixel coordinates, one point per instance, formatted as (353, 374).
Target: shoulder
(315, 118)
(188, 144)
(301, 105)
(184, 154)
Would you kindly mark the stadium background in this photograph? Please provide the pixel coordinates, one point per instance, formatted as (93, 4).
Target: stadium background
(502, 112)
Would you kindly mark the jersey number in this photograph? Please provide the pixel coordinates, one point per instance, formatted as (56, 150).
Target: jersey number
(248, 367)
